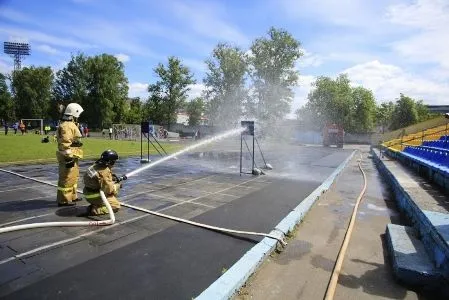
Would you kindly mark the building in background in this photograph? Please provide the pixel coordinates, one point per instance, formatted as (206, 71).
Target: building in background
(183, 119)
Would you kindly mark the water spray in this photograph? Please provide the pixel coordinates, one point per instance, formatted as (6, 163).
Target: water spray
(187, 149)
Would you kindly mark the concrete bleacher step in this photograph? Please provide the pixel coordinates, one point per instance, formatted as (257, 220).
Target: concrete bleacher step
(411, 264)
(424, 207)
(437, 239)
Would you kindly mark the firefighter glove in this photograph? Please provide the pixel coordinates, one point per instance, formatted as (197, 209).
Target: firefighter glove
(69, 162)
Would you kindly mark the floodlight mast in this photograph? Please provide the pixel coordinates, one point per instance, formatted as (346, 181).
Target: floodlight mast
(18, 51)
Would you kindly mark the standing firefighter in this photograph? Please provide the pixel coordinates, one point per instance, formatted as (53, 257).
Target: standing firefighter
(99, 177)
(68, 154)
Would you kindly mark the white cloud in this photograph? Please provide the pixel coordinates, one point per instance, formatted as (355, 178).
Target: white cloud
(36, 36)
(421, 14)
(195, 64)
(428, 38)
(122, 57)
(309, 60)
(354, 13)
(388, 81)
(113, 35)
(208, 20)
(152, 28)
(138, 89)
(48, 49)
(302, 91)
(13, 15)
(196, 90)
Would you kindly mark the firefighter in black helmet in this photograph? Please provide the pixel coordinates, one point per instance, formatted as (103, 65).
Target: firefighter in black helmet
(100, 177)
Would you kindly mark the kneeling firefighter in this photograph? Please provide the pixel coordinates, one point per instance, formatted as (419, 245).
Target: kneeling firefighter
(100, 177)
(68, 154)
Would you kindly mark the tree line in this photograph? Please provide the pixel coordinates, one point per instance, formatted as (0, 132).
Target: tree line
(251, 83)
(354, 108)
(238, 83)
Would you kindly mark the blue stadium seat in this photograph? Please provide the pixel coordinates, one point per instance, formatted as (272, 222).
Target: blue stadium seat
(430, 157)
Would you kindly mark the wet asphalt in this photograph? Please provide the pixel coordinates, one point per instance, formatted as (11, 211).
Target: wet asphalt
(146, 256)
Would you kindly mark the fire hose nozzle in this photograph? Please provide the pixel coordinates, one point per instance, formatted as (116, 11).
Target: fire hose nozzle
(122, 178)
(117, 179)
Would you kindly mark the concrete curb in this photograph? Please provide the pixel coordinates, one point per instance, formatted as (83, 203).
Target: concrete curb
(225, 286)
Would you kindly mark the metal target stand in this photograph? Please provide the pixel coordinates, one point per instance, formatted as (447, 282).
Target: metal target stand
(249, 130)
(255, 170)
(145, 132)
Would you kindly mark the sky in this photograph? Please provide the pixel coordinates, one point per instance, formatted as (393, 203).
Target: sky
(388, 46)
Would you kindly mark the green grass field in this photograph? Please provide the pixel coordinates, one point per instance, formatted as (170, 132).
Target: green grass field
(28, 148)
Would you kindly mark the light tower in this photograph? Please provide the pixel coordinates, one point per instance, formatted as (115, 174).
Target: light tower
(18, 51)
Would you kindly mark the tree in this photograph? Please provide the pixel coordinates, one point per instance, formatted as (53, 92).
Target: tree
(195, 109)
(404, 113)
(225, 84)
(134, 111)
(273, 73)
(32, 89)
(422, 111)
(331, 101)
(154, 108)
(169, 93)
(364, 110)
(71, 83)
(107, 91)
(6, 101)
(384, 113)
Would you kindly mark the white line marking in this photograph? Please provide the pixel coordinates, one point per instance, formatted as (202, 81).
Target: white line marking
(202, 204)
(25, 200)
(194, 199)
(25, 219)
(20, 188)
(65, 241)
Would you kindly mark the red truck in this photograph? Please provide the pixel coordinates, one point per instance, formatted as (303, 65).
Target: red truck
(333, 134)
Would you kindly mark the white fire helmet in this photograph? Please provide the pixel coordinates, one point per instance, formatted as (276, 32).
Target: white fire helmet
(73, 109)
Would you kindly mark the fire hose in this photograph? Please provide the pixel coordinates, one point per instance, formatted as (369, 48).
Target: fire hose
(330, 291)
(112, 217)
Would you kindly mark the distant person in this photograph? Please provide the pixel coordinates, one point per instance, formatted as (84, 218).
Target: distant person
(46, 129)
(6, 128)
(15, 127)
(68, 154)
(110, 133)
(99, 177)
(86, 131)
(22, 127)
(161, 132)
(45, 139)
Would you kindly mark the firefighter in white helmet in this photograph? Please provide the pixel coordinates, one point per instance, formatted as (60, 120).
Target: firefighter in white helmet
(68, 154)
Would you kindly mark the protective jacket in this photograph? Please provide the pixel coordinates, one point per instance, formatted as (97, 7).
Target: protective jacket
(68, 153)
(99, 177)
(69, 145)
